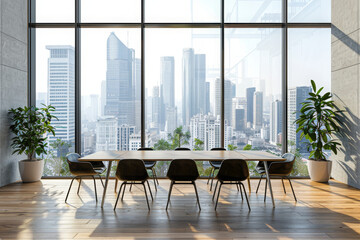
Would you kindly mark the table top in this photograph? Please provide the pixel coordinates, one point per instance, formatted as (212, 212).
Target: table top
(170, 155)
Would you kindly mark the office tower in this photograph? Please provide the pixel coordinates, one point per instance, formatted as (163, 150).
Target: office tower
(207, 98)
(167, 92)
(228, 100)
(194, 92)
(233, 90)
(61, 91)
(250, 105)
(171, 119)
(258, 110)
(107, 133)
(275, 121)
(167, 81)
(206, 128)
(103, 98)
(41, 98)
(137, 93)
(238, 114)
(93, 110)
(119, 81)
(296, 96)
(135, 141)
(124, 133)
(156, 108)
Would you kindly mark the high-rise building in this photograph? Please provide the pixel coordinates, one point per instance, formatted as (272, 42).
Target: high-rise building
(239, 114)
(137, 93)
(171, 119)
(124, 133)
(250, 105)
(207, 98)
(275, 121)
(258, 110)
(61, 91)
(296, 96)
(228, 100)
(103, 98)
(156, 108)
(167, 93)
(120, 80)
(194, 92)
(107, 133)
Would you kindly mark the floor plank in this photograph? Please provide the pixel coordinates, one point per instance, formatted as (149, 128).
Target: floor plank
(37, 211)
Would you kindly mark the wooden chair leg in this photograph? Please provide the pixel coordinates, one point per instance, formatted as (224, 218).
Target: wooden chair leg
(116, 183)
(282, 180)
(154, 178)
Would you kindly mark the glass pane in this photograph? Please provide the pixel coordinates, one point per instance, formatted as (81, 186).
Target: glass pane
(55, 11)
(182, 97)
(309, 58)
(182, 11)
(250, 11)
(309, 11)
(55, 85)
(253, 100)
(110, 90)
(110, 11)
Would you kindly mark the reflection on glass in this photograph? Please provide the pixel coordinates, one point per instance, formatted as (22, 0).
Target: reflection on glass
(309, 58)
(55, 85)
(250, 11)
(110, 93)
(110, 11)
(182, 100)
(55, 11)
(182, 11)
(253, 103)
(309, 11)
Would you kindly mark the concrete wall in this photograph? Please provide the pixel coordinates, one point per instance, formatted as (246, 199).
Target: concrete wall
(13, 78)
(346, 88)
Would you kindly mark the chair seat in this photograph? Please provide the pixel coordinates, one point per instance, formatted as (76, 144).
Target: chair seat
(216, 164)
(100, 170)
(149, 164)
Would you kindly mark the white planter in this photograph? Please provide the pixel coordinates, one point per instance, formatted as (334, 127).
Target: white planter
(31, 171)
(319, 171)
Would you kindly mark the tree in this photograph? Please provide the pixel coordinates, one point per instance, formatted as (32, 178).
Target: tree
(55, 164)
(162, 144)
(232, 147)
(247, 147)
(199, 145)
(179, 138)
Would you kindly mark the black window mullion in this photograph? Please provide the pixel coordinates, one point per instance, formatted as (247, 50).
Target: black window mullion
(77, 78)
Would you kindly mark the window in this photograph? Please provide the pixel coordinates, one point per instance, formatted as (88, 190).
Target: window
(126, 75)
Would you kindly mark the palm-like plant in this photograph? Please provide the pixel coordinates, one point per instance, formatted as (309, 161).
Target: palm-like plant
(317, 122)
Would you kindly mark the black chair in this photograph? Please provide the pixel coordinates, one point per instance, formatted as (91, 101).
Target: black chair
(232, 171)
(182, 171)
(133, 171)
(277, 169)
(182, 149)
(81, 169)
(215, 165)
(150, 166)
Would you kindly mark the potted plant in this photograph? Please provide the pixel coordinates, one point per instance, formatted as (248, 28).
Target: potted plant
(30, 125)
(317, 122)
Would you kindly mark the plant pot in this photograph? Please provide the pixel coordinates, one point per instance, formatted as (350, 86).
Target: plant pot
(31, 171)
(319, 171)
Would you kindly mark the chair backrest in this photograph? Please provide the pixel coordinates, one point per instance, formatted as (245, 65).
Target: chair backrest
(283, 168)
(289, 157)
(145, 149)
(218, 149)
(183, 170)
(182, 149)
(78, 168)
(233, 170)
(131, 170)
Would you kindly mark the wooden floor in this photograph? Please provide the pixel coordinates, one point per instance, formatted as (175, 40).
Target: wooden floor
(38, 211)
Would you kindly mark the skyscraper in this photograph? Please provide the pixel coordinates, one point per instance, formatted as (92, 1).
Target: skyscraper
(61, 91)
(258, 110)
(228, 100)
(207, 98)
(296, 96)
(120, 81)
(156, 107)
(167, 94)
(194, 92)
(275, 121)
(250, 105)
(107, 133)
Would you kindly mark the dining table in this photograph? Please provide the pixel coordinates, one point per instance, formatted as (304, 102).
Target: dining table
(113, 155)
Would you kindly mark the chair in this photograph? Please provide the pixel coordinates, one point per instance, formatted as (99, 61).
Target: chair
(278, 169)
(148, 165)
(81, 169)
(182, 149)
(215, 165)
(183, 171)
(133, 171)
(232, 171)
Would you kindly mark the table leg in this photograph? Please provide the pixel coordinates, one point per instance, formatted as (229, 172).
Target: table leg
(269, 182)
(106, 183)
